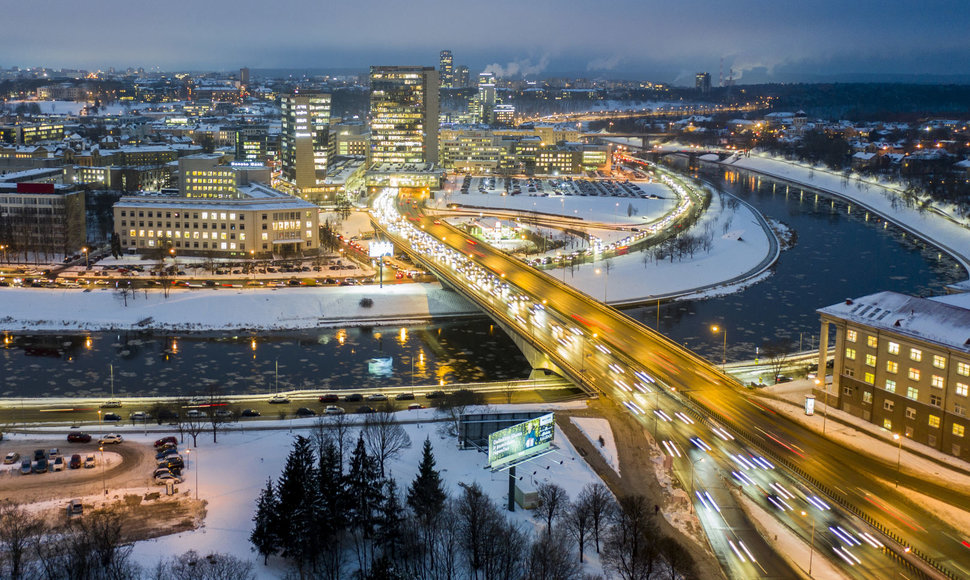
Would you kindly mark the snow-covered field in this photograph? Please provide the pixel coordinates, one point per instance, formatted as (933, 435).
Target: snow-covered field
(594, 429)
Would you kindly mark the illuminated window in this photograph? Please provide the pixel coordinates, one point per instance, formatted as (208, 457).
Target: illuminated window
(887, 424)
(962, 389)
(850, 353)
(872, 341)
(939, 362)
(963, 369)
(867, 397)
(870, 360)
(892, 367)
(958, 430)
(915, 354)
(914, 374)
(870, 378)
(912, 393)
(890, 386)
(937, 381)
(893, 348)
(851, 335)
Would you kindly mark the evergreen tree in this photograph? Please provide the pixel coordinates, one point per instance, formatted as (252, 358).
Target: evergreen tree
(362, 486)
(390, 521)
(426, 495)
(264, 535)
(332, 523)
(300, 504)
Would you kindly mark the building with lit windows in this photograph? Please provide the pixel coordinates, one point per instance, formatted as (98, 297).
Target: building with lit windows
(205, 175)
(262, 223)
(482, 107)
(903, 363)
(505, 115)
(31, 133)
(702, 82)
(461, 77)
(41, 220)
(305, 146)
(403, 114)
(351, 139)
(446, 69)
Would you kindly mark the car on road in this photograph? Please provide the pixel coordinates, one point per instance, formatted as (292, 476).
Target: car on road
(354, 397)
(78, 437)
(377, 397)
(222, 413)
(279, 400)
(59, 464)
(112, 438)
(404, 397)
(111, 405)
(138, 416)
(11, 458)
(112, 417)
(170, 439)
(25, 467)
(89, 461)
(329, 398)
(250, 413)
(435, 395)
(364, 409)
(414, 406)
(195, 414)
(305, 412)
(333, 410)
(75, 462)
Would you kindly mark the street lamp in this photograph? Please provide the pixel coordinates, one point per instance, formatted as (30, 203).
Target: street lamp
(899, 455)
(692, 463)
(4, 248)
(104, 485)
(715, 329)
(811, 553)
(85, 250)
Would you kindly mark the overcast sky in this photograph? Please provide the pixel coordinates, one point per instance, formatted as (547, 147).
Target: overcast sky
(664, 41)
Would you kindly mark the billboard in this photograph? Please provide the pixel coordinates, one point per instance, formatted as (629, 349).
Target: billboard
(809, 404)
(380, 249)
(520, 440)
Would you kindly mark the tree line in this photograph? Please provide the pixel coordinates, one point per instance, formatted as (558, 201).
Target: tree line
(332, 517)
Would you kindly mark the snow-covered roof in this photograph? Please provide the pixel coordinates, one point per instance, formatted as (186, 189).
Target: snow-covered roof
(938, 320)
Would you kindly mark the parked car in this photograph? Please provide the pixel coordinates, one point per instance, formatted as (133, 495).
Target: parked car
(89, 461)
(53, 453)
(305, 412)
(404, 397)
(329, 398)
(112, 438)
(279, 400)
(11, 458)
(354, 397)
(59, 464)
(25, 467)
(170, 439)
(414, 406)
(333, 410)
(377, 397)
(172, 462)
(363, 409)
(166, 453)
(165, 478)
(74, 508)
(78, 437)
(112, 417)
(40, 454)
(250, 413)
(40, 466)
(75, 462)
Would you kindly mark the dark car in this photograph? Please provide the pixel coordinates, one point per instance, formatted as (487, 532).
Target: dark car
(329, 398)
(363, 409)
(170, 439)
(353, 398)
(305, 412)
(250, 413)
(78, 438)
(404, 397)
(112, 417)
(40, 454)
(75, 462)
(172, 462)
(435, 395)
(40, 466)
(166, 453)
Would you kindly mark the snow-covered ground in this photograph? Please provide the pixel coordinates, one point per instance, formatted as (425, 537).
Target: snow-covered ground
(948, 233)
(594, 429)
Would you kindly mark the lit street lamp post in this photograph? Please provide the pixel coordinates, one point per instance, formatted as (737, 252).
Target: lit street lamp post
(899, 455)
(104, 485)
(85, 250)
(692, 463)
(811, 553)
(715, 329)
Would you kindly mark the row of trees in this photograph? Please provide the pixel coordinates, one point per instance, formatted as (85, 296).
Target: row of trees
(331, 521)
(94, 546)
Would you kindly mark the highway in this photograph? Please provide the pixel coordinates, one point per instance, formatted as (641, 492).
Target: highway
(603, 350)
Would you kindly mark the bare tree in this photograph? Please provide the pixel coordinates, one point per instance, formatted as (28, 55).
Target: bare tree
(219, 418)
(549, 559)
(680, 564)
(454, 405)
(124, 291)
(18, 530)
(601, 505)
(776, 355)
(630, 551)
(192, 422)
(333, 428)
(579, 525)
(552, 501)
(385, 437)
(193, 566)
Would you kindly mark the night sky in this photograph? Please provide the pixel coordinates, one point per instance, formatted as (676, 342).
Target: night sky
(663, 41)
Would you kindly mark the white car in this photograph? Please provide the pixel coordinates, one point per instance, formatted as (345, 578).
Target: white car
(333, 410)
(111, 438)
(138, 416)
(163, 478)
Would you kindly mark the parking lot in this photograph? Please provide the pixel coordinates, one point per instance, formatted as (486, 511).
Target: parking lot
(543, 187)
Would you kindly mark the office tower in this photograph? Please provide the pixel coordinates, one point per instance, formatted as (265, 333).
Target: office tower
(305, 139)
(446, 70)
(244, 77)
(702, 82)
(482, 106)
(403, 114)
(461, 77)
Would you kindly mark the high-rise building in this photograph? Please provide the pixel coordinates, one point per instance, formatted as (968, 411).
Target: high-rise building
(702, 82)
(482, 106)
(244, 77)
(461, 77)
(305, 147)
(446, 70)
(403, 114)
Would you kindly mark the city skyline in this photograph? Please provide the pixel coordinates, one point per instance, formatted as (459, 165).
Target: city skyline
(819, 40)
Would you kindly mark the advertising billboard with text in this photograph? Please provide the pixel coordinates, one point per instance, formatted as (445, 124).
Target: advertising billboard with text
(520, 440)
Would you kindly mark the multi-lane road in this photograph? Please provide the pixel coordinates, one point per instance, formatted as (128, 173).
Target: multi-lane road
(606, 351)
